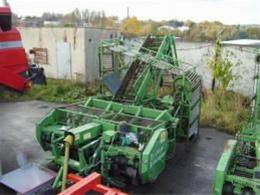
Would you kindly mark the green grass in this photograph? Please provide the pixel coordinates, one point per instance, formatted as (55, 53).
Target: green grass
(226, 111)
(62, 91)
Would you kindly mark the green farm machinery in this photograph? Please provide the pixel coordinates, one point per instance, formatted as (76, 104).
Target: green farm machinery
(238, 169)
(147, 100)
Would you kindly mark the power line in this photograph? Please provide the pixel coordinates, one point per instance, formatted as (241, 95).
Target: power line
(193, 48)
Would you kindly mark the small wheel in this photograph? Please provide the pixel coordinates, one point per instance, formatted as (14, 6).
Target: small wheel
(228, 189)
(248, 191)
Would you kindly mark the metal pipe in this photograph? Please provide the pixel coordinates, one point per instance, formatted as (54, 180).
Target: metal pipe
(67, 142)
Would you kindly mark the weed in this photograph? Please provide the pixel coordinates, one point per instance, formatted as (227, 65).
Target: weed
(63, 91)
(225, 110)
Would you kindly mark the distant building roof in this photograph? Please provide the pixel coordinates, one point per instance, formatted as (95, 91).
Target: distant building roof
(183, 28)
(243, 42)
(51, 23)
(167, 27)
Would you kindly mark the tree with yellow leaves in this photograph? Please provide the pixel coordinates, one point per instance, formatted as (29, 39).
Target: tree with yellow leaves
(130, 27)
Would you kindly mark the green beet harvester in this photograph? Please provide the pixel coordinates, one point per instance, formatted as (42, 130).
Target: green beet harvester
(238, 170)
(148, 99)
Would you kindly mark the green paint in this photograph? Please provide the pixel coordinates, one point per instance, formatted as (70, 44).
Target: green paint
(239, 165)
(130, 134)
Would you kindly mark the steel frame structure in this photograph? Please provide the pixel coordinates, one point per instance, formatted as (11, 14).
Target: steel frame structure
(129, 130)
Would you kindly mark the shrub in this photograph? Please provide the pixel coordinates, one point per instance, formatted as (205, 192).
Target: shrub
(225, 110)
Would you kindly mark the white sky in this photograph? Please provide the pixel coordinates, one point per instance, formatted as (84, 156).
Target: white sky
(226, 11)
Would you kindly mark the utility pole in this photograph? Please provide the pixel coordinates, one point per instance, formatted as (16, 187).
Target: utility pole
(128, 15)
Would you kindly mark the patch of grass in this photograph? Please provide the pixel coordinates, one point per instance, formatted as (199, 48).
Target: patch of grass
(57, 90)
(226, 111)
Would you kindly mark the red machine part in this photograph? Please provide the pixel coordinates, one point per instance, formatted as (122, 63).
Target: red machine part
(5, 10)
(90, 183)
(13, 60)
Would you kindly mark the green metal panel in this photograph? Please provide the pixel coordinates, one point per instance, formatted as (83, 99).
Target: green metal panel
(223, 165)
(127, 135)
(85, 132)
(238, 170)
(154, 156)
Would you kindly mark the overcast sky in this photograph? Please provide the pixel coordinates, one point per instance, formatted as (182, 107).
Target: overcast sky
(226, 11)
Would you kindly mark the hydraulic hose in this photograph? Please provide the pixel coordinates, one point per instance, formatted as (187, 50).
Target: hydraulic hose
(68, 141)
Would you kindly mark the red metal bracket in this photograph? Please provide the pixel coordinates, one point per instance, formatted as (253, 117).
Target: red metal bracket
(92, 182)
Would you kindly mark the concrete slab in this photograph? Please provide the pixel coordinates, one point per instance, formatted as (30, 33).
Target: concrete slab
(191, 171)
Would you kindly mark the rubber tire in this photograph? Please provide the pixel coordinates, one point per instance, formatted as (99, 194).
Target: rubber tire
(248, 191)
(228, 189)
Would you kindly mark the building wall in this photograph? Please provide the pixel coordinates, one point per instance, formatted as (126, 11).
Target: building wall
(84, 54)
(48, 38)
(84, 48)
(198, 54)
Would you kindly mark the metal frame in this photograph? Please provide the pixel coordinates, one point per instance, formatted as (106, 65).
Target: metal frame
(90, 183)
(128, 133)
(238, 170)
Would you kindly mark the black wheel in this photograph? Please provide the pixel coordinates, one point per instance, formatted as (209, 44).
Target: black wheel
(248, 191)
(228, 189)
